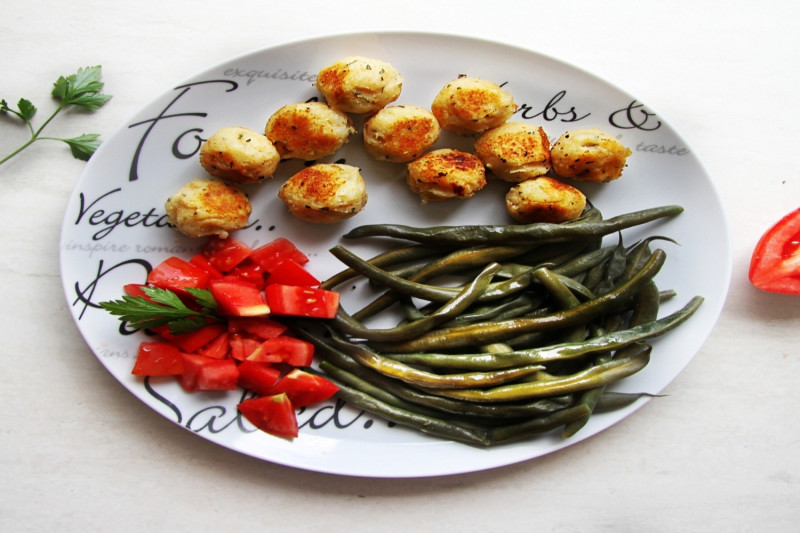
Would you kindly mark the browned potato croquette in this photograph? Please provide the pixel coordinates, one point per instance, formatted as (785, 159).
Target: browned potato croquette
(444, 174)
(400, 133)
(472, 105)
(205, 207)
(515, 151)
(308, 131)
(325, 193)
(589, 155)
(544, 199)
(239, 155)
(358, 84)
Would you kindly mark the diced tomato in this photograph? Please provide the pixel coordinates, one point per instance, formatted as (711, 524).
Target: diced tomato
(251, 271)
(274, 253)
(218, 348)
(201, 261)
(295, 352)
(242, 346)
(158, 359)
(262, 327)
(289, 272)
(191, 342)
(206, 373)
(175, 274)
(258, 377)
(304, 388)
(237, 297)
(273, 414)
(224, 254)
(302, 301)
(775, 266)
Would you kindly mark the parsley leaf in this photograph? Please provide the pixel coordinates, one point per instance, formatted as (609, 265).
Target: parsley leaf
(162, 307)
(83, 90)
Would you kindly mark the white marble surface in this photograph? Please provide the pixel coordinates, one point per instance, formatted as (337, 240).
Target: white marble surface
(719, 454)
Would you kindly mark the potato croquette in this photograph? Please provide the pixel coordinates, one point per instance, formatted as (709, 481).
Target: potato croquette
(358, 84)
(544, 199)
(239, 155)
(515, 151)
(400, 133)
(205, 207)
(325, 193)
(446, 173)
(308, 131)
(471, 105)
(588, 155)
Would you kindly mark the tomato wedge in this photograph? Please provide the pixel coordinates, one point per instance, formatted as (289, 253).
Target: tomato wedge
(206, 373)
(272, 414)
(295, 352)
(191, 342)
(258, 378)
(237, 297)
(225, 254)
(158, 359)
(303, 388)
(290, 272)
(274, 253)
(175, 274)
(293, 300)
(775, 265)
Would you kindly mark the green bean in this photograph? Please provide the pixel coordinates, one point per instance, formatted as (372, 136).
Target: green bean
(483, 333)
(391, 257)
(514, 234)
(454, 307)
(612, 400)
(557, 352)
(591, 377)
(426, 424)
(411, 375)
(536, 425)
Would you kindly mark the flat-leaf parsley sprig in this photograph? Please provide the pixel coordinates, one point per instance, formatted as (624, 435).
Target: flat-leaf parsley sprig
(162, 307)
(82, 90)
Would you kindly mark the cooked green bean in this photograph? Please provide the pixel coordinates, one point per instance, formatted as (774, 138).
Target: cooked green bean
(591, 377)
(513, 234)
(537, 425)
(391, 257)
(483, 333)
(454, 307)
(411, 375)
(613, 340)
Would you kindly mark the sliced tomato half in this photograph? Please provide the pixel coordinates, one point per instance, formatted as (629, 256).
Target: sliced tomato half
(775, 265)
(273, 414)
(293, 300)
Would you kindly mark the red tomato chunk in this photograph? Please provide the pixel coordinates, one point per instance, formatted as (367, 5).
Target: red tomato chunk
(225, 254)
(302, 301)
(158, 359)
(176, 275)
(272, 414)
(237, 297)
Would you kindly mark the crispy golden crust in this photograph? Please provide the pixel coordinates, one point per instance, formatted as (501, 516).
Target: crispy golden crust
(239, 155)
(472, 105)
(308, 131)
(400, 133)
(444, 174)
(589, 155)
(325, 193)
(205, 207)
(358, 84)
(544, 199)
(515, 151)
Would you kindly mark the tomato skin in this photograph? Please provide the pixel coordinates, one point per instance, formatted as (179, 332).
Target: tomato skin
(301, 301)
(272, 414)
(225, 254)
(237, 297)
(289, 272)
(260, 326)
(191, 342)
(258, 378)
(206, 373)
(274, 253)
(775, 265)
(175, 274)
(295, 352)
(158, 359)
(304, 388)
